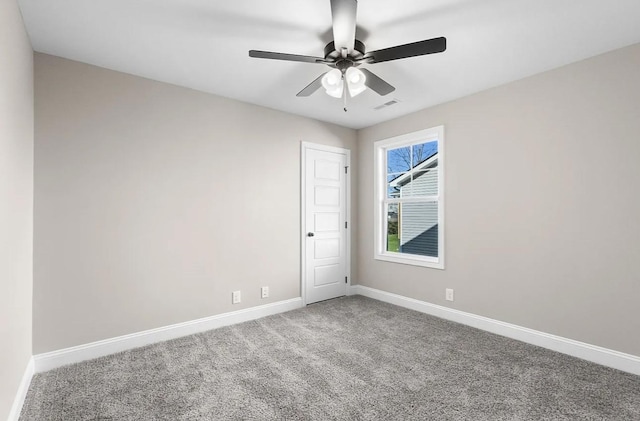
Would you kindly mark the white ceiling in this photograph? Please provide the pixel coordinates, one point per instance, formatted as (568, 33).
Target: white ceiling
(203, 44)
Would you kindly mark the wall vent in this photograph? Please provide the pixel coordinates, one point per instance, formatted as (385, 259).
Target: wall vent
(386, 104)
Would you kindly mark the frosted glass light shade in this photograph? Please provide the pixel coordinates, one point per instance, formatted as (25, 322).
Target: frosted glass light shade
(355, 81)
(332, 82)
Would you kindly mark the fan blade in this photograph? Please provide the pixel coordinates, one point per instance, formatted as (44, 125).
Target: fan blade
(343, 13)
(312, 87)
(284, 56)
(377, 84)
(420, 48)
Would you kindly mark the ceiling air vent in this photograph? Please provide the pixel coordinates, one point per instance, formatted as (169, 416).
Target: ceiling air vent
(387, 104)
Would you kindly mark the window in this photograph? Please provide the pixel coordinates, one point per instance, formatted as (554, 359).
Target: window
(409, 205)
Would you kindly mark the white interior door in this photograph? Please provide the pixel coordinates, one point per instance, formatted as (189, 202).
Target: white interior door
(325, 230)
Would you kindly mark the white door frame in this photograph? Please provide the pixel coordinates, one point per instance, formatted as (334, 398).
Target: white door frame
(304, 146)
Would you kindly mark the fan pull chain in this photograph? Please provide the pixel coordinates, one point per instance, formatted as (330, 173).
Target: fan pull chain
(344, 93)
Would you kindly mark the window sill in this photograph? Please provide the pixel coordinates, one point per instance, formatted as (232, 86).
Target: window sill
(412, 260)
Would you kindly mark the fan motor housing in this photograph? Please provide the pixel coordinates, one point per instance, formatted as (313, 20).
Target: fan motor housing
(331, 54)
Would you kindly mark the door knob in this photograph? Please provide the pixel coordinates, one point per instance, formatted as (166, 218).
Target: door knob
(310, 234)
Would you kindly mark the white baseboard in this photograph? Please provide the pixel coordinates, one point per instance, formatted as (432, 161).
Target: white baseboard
(51, 360)
(593, 353)
(16, 408)
(607, 357)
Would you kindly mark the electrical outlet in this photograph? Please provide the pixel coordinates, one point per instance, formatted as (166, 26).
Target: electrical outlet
(449, 294)
(264, 292)
(235, 297)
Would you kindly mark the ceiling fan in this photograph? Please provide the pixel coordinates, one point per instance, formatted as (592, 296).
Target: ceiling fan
(345, 54)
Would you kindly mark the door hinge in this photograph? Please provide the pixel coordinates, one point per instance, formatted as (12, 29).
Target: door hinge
(346, 170)
(345, 224)
(345, 279)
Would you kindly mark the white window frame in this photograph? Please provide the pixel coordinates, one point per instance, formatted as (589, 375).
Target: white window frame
(380, 197)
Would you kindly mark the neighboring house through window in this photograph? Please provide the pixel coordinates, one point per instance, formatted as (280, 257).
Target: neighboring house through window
(409, 204)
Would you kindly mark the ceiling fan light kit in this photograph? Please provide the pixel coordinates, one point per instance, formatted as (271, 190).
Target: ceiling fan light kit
(334, 81)
(345, 53)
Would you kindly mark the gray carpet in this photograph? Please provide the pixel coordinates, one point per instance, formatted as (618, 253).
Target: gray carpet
(346, 359)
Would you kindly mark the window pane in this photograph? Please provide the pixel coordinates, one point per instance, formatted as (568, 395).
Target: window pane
(399, 160)
(393, 188)
(424, 151)
(392, 227)
(417, 229)
(421, 183)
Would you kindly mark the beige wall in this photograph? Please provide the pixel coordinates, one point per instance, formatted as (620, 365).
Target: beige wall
(542, 203)
(155, 202)
(16, 201)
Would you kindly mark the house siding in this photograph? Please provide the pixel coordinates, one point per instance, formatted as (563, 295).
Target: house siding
(419, 221)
